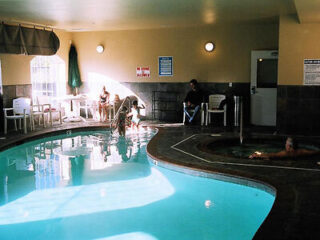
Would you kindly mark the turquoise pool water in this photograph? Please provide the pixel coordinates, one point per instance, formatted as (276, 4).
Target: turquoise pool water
(92, 185)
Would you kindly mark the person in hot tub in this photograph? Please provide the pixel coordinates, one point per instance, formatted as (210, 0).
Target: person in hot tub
(291, 151)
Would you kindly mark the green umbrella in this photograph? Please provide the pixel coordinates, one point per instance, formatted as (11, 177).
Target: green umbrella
(74, 80)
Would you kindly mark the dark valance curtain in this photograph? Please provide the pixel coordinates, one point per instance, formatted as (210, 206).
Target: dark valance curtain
(28, 41)
(74, 80)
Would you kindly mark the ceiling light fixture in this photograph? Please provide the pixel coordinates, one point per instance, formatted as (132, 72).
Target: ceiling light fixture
(209, 46)
(100, 49)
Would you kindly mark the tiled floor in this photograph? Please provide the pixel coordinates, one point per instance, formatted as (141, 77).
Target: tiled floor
(296, 211)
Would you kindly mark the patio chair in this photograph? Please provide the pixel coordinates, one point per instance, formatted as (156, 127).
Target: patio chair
(21, 111)
(91, 106)
(192, 110)
(112, 111)
(37, 111)
(50, 107)
(213, 107)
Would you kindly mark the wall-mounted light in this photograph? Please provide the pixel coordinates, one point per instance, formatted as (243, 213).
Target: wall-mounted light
(209, 46)
(100, 49)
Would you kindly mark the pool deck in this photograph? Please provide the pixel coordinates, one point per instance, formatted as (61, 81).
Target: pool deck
(296, 211)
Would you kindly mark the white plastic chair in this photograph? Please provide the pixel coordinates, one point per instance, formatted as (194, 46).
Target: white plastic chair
(112, 111)
(37, 110)
(201, 110)
(21, 111)
(213, 107)
(50, 108)
(89, 105)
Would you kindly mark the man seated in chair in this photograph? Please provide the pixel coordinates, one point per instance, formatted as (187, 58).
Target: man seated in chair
(193, 101)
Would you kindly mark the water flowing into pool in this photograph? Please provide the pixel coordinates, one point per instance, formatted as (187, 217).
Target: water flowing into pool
(92, 185)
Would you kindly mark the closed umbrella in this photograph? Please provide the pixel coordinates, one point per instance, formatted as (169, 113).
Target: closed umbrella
(74, 80)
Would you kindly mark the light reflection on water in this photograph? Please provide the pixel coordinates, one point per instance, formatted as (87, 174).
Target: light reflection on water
(54, 203)
(63, 162)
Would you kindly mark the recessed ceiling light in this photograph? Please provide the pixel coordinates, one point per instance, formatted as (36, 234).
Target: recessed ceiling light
(100, 49)
(209, 46)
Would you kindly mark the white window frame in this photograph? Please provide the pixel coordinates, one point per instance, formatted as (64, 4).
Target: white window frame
(47, 76)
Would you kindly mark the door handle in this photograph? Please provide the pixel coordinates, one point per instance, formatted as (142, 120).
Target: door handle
(253, 90)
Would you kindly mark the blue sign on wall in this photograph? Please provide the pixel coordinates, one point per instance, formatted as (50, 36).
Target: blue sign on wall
(165, 66)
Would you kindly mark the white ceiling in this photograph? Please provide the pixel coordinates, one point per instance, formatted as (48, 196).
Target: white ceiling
(90, 15)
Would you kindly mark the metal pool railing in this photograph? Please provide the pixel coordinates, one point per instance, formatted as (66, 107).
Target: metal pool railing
(119, 109)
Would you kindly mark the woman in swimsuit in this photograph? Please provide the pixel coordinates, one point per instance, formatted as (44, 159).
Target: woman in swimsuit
(104, 103)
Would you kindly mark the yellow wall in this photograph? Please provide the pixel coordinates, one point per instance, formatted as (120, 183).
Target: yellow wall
(16, 68)
(126, 50)
(296, 43)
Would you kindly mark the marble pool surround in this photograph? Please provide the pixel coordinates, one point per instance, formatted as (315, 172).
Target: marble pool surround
(296, 211)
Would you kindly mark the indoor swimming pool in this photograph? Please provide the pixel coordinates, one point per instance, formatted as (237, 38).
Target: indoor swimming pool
(95, 185)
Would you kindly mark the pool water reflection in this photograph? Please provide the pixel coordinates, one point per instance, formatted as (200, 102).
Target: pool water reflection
(93, 185)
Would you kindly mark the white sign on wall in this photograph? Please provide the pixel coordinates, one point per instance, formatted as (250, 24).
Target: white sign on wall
(143, 72)
(165, 66)
(311, 73)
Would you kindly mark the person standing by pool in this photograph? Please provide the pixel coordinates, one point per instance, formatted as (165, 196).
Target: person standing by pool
(135, 114)
(104, 103)
(193, 101)
(121, 121)
(291, 150)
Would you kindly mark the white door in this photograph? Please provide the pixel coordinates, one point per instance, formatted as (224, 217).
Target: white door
(264, 78)
(1, 91)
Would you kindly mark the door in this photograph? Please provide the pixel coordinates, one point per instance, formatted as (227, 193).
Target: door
(1, 91)
(264, 78)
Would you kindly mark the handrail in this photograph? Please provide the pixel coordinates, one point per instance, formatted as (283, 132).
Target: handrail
(117, 114)
(241, 121)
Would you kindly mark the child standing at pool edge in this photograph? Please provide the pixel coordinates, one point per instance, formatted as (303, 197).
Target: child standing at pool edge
(135, 114)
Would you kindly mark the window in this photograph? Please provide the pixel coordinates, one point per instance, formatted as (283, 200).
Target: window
(267, 73)
(48, 76)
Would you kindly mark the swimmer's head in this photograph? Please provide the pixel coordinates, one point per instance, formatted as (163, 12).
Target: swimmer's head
(135, 103)
(291, 144)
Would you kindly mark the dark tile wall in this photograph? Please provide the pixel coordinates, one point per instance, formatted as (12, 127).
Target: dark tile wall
(170, 110)
(144, 91)
(298, 109)
(14, 91)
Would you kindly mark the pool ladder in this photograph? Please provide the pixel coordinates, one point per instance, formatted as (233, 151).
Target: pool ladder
(119, 109)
